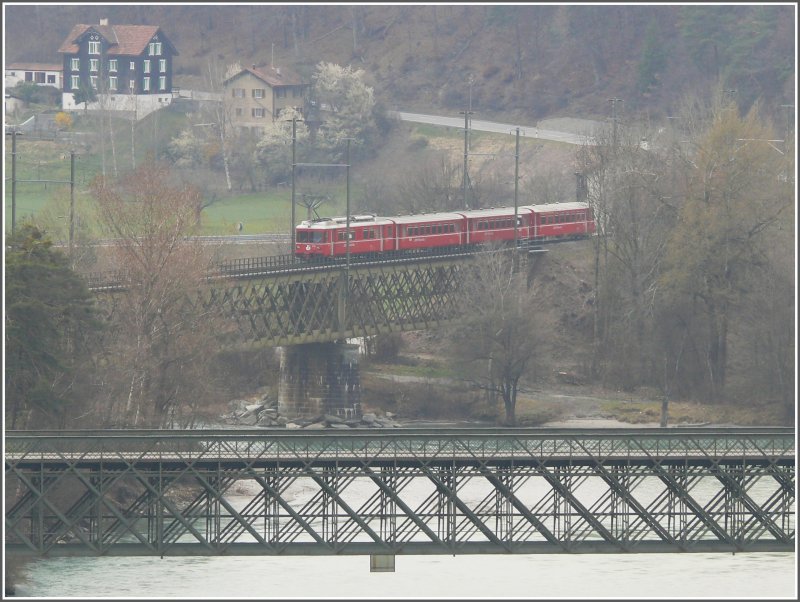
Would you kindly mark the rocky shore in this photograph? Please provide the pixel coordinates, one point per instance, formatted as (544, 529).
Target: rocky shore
(264, 413)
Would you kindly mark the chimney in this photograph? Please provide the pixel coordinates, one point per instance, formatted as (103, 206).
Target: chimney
(253, 66)
(278, 71)
(104, 21)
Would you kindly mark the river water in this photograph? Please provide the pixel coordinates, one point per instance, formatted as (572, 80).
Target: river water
(521, 576)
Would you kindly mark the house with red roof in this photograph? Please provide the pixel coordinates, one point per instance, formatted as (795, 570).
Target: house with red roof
(254, 97)
(128, 66)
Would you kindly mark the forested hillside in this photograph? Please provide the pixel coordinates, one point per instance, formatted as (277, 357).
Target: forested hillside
(526, 62)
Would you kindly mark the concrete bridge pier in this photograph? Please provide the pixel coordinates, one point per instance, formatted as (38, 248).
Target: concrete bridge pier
(319, 378)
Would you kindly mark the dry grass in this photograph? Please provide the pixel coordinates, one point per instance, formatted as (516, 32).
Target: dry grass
(682, 412)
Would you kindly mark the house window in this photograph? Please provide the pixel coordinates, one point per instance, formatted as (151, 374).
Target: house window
(133, 65)
(238, 112)
(258, 92)
(132, 85)
(162, 83)
(29, 76)
(257, 112)
(94, 64)
(112, 65)
(93, 80)
(51, 79)
(75, 82)
(155, 48)
(280, 92)
(146, 84)
(112, 83)
(39, 77)
(75, 64)
(94, 47)
(162, 65)
(146, 66)
(238, 92)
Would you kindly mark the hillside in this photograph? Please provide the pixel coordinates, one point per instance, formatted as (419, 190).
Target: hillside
(526, 62)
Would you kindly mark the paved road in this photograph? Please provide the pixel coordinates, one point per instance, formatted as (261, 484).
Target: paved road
(527, 131)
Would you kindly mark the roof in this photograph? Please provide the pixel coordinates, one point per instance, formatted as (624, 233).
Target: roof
(122, 39)
(558, 207)
(35, 67)
(425, 218)
(356, 221)
(495, 212)
(273, 77)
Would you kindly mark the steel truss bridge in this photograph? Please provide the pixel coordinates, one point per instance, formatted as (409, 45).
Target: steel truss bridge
(405, 491)
(282, 303)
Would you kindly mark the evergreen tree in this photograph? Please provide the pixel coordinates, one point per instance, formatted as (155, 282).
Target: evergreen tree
(49, 317)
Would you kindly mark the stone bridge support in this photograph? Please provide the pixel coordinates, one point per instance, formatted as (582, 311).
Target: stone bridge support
(319, 378)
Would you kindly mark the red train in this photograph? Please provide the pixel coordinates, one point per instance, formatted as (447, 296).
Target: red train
(370, 234)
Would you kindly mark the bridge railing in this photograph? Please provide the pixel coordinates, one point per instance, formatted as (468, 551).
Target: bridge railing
(769, 444)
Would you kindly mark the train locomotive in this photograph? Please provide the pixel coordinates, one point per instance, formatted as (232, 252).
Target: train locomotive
(326, 238)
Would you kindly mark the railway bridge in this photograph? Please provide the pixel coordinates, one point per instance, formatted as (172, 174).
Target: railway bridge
(311, 310)
(405, 491)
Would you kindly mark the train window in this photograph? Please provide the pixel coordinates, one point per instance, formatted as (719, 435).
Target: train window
(319, 237)
(302, 236)
(439, 229)
(452, 227)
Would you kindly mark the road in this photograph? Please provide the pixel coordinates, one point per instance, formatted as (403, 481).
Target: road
(527, 131)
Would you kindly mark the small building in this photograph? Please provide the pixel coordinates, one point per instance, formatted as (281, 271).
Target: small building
(129, 66)
(13, 104)
(41, 74)
(254, 97)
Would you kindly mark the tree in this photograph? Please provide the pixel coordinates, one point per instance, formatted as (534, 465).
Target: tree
(273, 151)
(498, 333)
(733, 202)
(85, 94)
(350, 107)
(158, 350)
(63, 120)
(49, 323)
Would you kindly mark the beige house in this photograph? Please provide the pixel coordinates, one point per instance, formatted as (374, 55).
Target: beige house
(254, 97)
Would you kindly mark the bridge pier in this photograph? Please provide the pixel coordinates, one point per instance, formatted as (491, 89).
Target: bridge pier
(319, 378)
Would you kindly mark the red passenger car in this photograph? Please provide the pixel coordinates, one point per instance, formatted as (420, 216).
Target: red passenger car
(326, 237)
(561, 220)
(496, 225)
(428, 231)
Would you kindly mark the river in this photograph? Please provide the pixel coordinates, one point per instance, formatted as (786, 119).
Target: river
(692, 576)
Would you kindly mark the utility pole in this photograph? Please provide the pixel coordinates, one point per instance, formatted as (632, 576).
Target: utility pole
(466, 113)
(788, 126)
(516, 190)
(71, 200)
(13, 180)
(469, 102)
(614, 102)
(347, 204)
(294, 165)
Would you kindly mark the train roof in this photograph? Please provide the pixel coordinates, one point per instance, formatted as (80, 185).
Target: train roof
(558, 207)
(425, 218)
(323, 223)
(494, 212)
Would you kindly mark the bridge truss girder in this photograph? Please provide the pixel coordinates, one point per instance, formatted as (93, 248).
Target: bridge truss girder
(330, 304)
(401, 494)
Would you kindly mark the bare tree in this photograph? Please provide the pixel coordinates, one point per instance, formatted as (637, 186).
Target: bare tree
(158, 354)
(499, 333)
